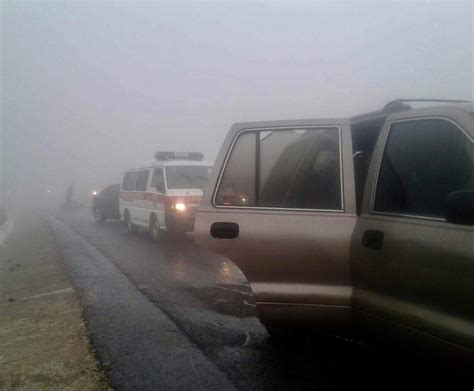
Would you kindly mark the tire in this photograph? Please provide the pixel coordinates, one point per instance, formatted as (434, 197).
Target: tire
(99, 216)
(132, 228)
(154, 229)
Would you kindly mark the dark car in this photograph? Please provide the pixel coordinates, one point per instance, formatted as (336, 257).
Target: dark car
(105, 205)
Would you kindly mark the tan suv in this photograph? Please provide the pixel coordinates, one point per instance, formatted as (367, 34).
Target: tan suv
(364, 222)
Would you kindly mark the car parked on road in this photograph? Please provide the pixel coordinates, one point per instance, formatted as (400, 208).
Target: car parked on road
(164, 195)
(363, 223)
(105, 205)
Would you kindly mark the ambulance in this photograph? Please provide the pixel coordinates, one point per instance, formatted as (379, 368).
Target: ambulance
(164, 195)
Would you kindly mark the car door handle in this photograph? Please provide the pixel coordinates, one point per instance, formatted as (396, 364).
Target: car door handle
(224, 230)
(373, 239)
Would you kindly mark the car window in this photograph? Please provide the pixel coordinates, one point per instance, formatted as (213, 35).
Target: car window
(237, 186)
(115, 190)
(157, 181)
(129, 181)
(297, 168)
(423, 162)
(142, 180)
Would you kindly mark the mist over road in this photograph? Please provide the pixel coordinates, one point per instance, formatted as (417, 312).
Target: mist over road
(91, 90)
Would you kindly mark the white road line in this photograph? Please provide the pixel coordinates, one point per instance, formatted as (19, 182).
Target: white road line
(58, 292)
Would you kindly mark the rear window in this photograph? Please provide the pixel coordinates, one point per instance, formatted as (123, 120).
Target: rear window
(111, 191)
(295, 168)
(187, 177)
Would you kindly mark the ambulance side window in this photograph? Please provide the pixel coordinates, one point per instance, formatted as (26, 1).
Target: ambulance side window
(142, 180)
(157, 181)
(129, 181)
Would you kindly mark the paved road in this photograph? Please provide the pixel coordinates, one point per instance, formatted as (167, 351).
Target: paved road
(210, 302)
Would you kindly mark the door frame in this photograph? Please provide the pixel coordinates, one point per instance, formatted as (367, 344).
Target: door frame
(363, 299)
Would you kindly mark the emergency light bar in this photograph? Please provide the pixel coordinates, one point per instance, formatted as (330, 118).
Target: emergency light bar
(164, 155)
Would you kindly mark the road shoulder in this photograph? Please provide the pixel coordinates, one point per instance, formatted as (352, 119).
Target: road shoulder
(43, 341)
(138, 342)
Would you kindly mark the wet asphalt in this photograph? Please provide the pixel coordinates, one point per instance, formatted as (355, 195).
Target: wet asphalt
(204, 302)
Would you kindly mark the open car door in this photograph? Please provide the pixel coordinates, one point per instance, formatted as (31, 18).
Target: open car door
(413, 247)
(281, 205)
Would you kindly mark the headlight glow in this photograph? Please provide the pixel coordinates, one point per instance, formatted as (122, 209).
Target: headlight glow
(180, 207)
(94, 193)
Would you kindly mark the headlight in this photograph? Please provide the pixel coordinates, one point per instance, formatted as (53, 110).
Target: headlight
(94, 193)
(180, 207)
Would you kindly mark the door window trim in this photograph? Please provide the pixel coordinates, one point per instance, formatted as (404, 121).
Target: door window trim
(372, 210)
(150, 188)
(257, 143)
(147, 180)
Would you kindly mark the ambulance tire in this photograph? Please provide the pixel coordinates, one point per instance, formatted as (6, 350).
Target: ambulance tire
(132, 228)
(155, 232)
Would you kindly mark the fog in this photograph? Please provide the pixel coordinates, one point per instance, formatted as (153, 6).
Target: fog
(92, 88)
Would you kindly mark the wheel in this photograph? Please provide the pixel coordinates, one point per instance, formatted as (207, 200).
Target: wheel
(155, 231)
(99, 216)
(132, 228)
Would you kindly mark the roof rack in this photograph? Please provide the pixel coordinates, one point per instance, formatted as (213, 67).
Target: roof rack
(399, 104)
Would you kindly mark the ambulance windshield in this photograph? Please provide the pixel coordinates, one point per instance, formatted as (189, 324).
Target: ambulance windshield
(187, 177)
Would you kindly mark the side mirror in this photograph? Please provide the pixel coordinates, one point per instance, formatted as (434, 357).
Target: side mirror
(460, 207)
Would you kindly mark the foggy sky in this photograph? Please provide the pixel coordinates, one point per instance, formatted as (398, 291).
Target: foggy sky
(90, 89)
